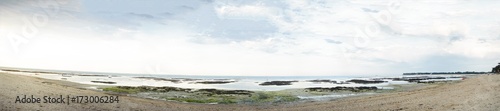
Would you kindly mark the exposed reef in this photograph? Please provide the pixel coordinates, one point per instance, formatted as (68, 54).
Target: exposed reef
(421, 78)
(342, 88)
(130, 89)
(359, 81)
(160, 79)
(444, 73)
(217, 91)
(277, 83)
(104, 82)
(217, 96)
(214, 82)
(322, 80)
(197, 81)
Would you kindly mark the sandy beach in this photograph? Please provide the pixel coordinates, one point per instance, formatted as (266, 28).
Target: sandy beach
(476, 93)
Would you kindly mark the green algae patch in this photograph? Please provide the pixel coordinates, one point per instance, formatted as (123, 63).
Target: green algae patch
(271, 97)
(207, 96)
(121, 90)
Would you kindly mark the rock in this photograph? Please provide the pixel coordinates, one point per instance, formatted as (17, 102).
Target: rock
(397, 79)
(277, 83)
(359, 81)
(436, 78)
(318, 80)
(415, 80)
(186, 79)
(104, 82)
(236, 92)
(202, 91)
(94, 75)
(155, 89)
(420, 78)
(160, 79)
(433, 81)
(215, 82)
(342, 88)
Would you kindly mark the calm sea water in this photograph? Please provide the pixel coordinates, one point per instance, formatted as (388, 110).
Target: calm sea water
(243, 82)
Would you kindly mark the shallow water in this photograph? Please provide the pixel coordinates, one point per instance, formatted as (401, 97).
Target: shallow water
(242, 82)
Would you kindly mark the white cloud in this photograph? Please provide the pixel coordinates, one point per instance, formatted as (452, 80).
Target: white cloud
(254, 12)
(475, 48)
(258, 38)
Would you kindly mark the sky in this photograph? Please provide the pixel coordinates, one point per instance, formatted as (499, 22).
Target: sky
(251, 38)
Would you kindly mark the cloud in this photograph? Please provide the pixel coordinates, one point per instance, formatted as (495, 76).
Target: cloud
(369, 10)
(333, 41)
(474, 48)
(252, 12)
(142, 15)
(255, 37)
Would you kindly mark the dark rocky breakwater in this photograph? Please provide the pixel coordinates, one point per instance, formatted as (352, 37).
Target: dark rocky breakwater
(197, 81)
(277, 83)
(342, 88)
(419, 79)
(322, 81)
(359, 81)
(187, 90)
(221, 92)
(156, 89)
(160, 79)
(215, 82)
(104, 82)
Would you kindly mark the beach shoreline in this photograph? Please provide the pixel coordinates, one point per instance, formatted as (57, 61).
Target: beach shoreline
(477, 93)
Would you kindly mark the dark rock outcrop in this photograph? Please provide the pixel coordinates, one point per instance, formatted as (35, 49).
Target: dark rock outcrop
(236, 92)
(94, 75)
(162, 89)
(188, 90)
(277, 83)
(415, 79)
(359, 81)
(420, 78)
(186, 79)
(443, 81)
(179, 80)
(444, 73)
(155, 89)
(342, 88)
(324, 80)
(436, 77)
(214, 82)
(160, 79)
(104, 82)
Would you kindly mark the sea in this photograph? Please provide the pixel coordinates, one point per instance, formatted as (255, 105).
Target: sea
(240, 82)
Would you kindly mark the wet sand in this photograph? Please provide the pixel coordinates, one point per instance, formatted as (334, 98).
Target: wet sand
(477, 93)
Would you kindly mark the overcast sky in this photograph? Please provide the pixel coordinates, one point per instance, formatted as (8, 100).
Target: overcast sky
(246, 37)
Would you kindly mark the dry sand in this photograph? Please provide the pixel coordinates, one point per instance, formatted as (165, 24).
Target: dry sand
(481, 93)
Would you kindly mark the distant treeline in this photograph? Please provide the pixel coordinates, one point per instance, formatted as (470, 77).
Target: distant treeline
(438, 73)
